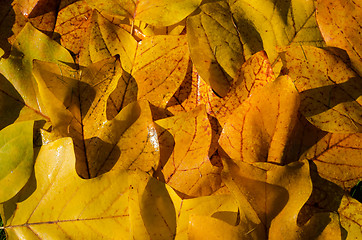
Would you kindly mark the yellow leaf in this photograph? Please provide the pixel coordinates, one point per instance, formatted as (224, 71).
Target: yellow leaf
(125, 8)
(164, 12)
(222, 207)
(192, 93)
(330, 91)
(258, 130)
(72, 22)
(184, 144)
(77, 109)
(160, 67)
(203, 227)
(339, 22)
(253, 75)
(64, 206)
(336, 157)
(149, 30)
(267, 24)
(350, 212)
(17, 68)
(152, 212)
(215, 47)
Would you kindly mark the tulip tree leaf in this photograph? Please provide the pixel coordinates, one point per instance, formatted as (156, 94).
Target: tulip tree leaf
(325, 154)
(339, 23)
(217, 57)
(157, 13)
(30, 44)
(157, 84)
(330, 91)
(16, 158)
(186, 166)
(77, 107)
(253, 75)
(268, 117)
(266, 24)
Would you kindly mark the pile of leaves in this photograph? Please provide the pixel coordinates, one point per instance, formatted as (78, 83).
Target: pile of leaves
(218, 119)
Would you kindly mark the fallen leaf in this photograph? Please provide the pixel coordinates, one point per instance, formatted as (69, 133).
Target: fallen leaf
(12, 106)
(41, 13)
(77, 108)
(158, 221)
(258, 130)
(57, 207)
(262, 25)
(253, 75)
(270, 191)
(72, 22)
(16, 158)
(192, 93)
(184, 144)
(157, 13)
(350, 212)
(327, 154)
(215, 47)
(222, 207)
(339, 22)
(149, 30)
(158, 84)
(330, 91)
(30, 44)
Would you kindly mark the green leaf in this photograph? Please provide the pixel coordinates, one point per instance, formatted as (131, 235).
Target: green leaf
(16, 158)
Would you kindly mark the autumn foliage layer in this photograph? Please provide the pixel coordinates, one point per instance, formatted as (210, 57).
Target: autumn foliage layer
(218, 119)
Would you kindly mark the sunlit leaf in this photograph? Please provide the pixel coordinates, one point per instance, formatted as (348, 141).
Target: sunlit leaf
(41, 13)
(271, 192)
(105, 39)
(30, 44)
(163, 12)
(16, 158)
(259, 129)
(330, 91)
(125, 8)
(152, 212)
(192, 93)
(339, 22)
(160, 67)
(222, 207)
(215, 47)
(350, 212)
(149, 30)
(266, 24)
(253, 75)
(184, 144)
(77, 108)
(60, 209)
(337, 158)
(71, 25)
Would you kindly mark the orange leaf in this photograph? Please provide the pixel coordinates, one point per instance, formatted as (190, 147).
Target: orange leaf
(337, 158)
(259, 129)
(184, 143)
(340, 25)
(160, 67)
(254, 74)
